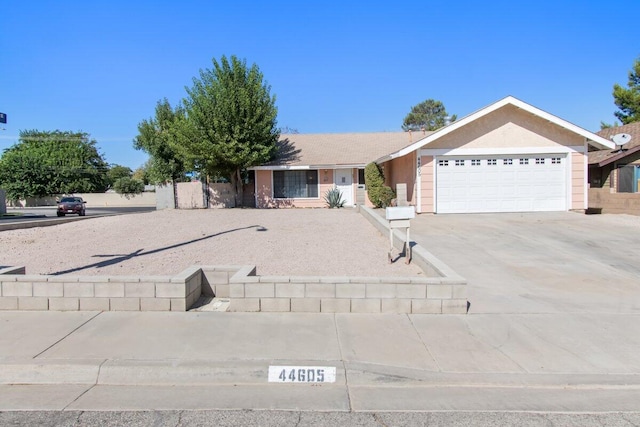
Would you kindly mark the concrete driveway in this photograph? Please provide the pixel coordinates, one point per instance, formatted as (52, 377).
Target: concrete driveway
(560, 262)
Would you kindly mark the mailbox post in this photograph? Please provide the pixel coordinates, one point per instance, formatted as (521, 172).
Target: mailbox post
(400, 217)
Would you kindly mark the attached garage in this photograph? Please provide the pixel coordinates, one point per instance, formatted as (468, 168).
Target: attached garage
(514, 183)
(506, 157)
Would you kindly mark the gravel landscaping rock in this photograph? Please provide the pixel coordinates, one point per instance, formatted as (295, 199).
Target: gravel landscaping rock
(328, 242)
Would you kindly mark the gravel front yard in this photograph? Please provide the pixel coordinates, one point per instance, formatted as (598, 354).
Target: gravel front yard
(279, 242)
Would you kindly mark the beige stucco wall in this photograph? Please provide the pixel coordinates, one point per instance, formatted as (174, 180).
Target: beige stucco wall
(189, 195)
(264, 191)
(402, 170)
(427, 184)
(508, 127)
(578, 181)
(221, 195)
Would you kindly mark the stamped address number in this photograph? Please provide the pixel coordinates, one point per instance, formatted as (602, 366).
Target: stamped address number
(302, 374)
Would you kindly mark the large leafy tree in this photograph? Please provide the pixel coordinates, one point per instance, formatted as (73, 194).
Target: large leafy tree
(159, 137)
(44, 163)
(428, 115)
(231, 121)
(628, 99)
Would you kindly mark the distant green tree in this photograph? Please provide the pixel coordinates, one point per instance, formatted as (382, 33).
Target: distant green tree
(428, 115)
(628, 100)
(604, 125)
(44, 163)
(231, 121)
(116, 172)
(141, 174)
(159, 137)
(128, 186)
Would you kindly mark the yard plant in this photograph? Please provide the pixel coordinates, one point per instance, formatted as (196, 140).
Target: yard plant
(333, 198)
(380, 195)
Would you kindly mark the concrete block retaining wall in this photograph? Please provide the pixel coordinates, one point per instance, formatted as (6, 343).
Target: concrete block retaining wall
(320, 294)
(98, 293)
(604, 201)
(443, 292)
(245, 290)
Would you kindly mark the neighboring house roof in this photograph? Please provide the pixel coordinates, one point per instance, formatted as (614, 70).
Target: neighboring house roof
(604, 157)
(331, 150)
(593, 139)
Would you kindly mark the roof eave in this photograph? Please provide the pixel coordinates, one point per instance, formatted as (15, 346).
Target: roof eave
(618, 156)
(592, 139)
(304, 167)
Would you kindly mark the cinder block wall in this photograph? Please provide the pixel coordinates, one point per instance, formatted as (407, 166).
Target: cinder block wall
(246, 291)
(316, 294)
(100, 293)
(605, 201)
(347, 295)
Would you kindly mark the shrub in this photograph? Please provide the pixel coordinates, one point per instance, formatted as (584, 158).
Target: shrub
(128, 186)
(373, 175)
(379, 194)
(333, 198)
(385, 196)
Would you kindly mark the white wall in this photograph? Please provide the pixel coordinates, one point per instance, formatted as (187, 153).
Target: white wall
(96, 200)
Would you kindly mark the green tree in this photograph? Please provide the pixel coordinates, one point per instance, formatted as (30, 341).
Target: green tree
(628, 100)
(44, 163)
(428, 115)
(142, 174)
(128, 186)
(231, 121)
(159, 137)
(116, 172)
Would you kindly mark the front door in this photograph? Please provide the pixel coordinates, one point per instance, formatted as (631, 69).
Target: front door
(344, 182)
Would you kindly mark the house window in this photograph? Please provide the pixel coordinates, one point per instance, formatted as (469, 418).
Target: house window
(540, 161)
(555, 160)
(361, 176)
(459, 162)
(443, 162)
(295, 184)
(524, 161)
(492, 162)
(507, 161)
(475, 162)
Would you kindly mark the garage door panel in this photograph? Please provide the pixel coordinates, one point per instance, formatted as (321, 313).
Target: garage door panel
(505, 185)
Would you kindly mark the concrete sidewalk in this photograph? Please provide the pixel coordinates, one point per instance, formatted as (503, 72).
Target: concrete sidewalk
(553, 327)
(207, 360)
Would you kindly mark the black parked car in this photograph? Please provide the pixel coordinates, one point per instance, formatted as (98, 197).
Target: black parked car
(71, 205)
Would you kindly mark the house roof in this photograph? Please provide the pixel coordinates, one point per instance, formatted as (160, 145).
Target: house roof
(329, 150)
(593, 139)
(603, 157)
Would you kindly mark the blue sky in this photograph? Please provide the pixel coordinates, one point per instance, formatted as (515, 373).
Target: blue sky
(334, 66)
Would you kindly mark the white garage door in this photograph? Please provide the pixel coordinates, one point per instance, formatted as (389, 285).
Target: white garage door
(516, 183)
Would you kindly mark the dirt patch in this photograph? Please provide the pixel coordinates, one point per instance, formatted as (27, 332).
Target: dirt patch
(279, 242)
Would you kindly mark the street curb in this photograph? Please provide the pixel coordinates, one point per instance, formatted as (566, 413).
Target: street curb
(129, 372)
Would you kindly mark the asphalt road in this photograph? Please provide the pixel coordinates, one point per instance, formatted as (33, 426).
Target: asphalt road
(47, 213)
(303, 418)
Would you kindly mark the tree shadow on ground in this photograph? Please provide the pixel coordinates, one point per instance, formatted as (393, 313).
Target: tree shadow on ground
(118, 258)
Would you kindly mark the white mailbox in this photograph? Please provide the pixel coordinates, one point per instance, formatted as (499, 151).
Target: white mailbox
(400, 212)
(400, 217)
